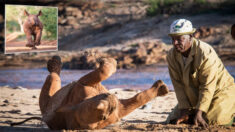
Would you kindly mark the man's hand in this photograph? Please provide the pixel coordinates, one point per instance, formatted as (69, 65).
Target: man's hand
(183, 116)
(198, 120)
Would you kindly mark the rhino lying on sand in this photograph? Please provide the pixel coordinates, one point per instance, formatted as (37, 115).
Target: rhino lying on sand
(86, 103)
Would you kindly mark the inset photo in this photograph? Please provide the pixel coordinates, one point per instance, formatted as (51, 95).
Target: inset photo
(30, 29)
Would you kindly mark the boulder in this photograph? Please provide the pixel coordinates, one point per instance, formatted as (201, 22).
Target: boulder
(203, 32)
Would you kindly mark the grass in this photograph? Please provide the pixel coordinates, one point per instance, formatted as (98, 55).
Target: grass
(156, 5)
(184, 6)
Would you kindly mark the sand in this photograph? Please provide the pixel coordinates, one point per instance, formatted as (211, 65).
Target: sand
(19, 103)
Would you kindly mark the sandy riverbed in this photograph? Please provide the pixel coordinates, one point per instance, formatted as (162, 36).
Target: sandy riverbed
(18, 104)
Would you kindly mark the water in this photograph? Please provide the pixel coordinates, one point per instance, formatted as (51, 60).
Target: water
(128, 79)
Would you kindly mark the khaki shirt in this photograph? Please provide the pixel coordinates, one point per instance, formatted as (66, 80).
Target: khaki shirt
(202, 81)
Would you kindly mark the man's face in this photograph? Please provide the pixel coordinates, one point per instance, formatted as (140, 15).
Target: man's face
(181, 43)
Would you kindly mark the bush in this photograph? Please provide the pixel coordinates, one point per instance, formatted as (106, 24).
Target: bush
(50, 22)
(185, 6)
(155, 5)
(12, 26)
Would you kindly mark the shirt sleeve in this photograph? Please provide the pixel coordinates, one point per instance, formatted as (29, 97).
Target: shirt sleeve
(207, 79)
(183, 102)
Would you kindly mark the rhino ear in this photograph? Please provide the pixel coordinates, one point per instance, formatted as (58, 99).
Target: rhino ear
(26, 13)
(65, 108)
(39, 13)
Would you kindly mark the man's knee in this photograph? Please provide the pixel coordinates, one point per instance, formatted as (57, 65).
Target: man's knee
(219, 119)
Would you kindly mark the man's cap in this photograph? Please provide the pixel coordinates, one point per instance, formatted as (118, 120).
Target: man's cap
(181, 27)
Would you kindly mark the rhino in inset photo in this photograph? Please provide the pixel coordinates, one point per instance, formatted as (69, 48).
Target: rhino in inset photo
(33, 27)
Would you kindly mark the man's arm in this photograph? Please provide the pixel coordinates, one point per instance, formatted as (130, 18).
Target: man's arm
(207, 80)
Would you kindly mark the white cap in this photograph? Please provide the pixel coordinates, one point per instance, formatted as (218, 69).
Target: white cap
(181, 27)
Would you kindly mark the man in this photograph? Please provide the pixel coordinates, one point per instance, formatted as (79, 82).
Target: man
(204, 89)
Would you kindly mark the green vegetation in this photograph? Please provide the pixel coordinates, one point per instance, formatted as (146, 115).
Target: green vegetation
(49, 17)
(15, 18)
(200, 1)
(155, 5)
(186, 6)
(13, 26)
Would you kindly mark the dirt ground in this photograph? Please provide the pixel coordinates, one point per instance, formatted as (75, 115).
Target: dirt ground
(19, 46)
(20, 103)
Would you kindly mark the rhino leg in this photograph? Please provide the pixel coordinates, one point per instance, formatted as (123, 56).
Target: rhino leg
(38, 37)
(106, 69)
(128, 105)
(52, 83)
(30, 43)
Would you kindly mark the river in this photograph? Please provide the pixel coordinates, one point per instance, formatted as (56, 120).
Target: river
(128, 79)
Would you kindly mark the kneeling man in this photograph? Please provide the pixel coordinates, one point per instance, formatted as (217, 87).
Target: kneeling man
(204, 88)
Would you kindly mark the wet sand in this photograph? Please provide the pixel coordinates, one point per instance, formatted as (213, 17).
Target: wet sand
(16, 104)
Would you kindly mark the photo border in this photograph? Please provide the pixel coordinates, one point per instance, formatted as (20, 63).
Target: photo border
(30, 51)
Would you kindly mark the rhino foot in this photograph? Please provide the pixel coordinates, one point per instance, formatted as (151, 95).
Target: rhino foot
(38, 43)
(34, 47)
(54, 64)
(29, 45)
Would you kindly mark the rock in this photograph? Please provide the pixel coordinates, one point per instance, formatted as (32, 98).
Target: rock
(19, 87)
(8, 121)
(77, 14)
(6, 101)
(87, 13)
(15, 111)
(28, 113)
(130, 90)
(71, 9)
(141, 51)
(62, 21)
(34, 96)
(129, 66)
(82, 62)
(76, 26)
(71, 20)
(127, 60)
(3, 105)
(155, 51)
(203, 32)
(149, 45)
(68, 27)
